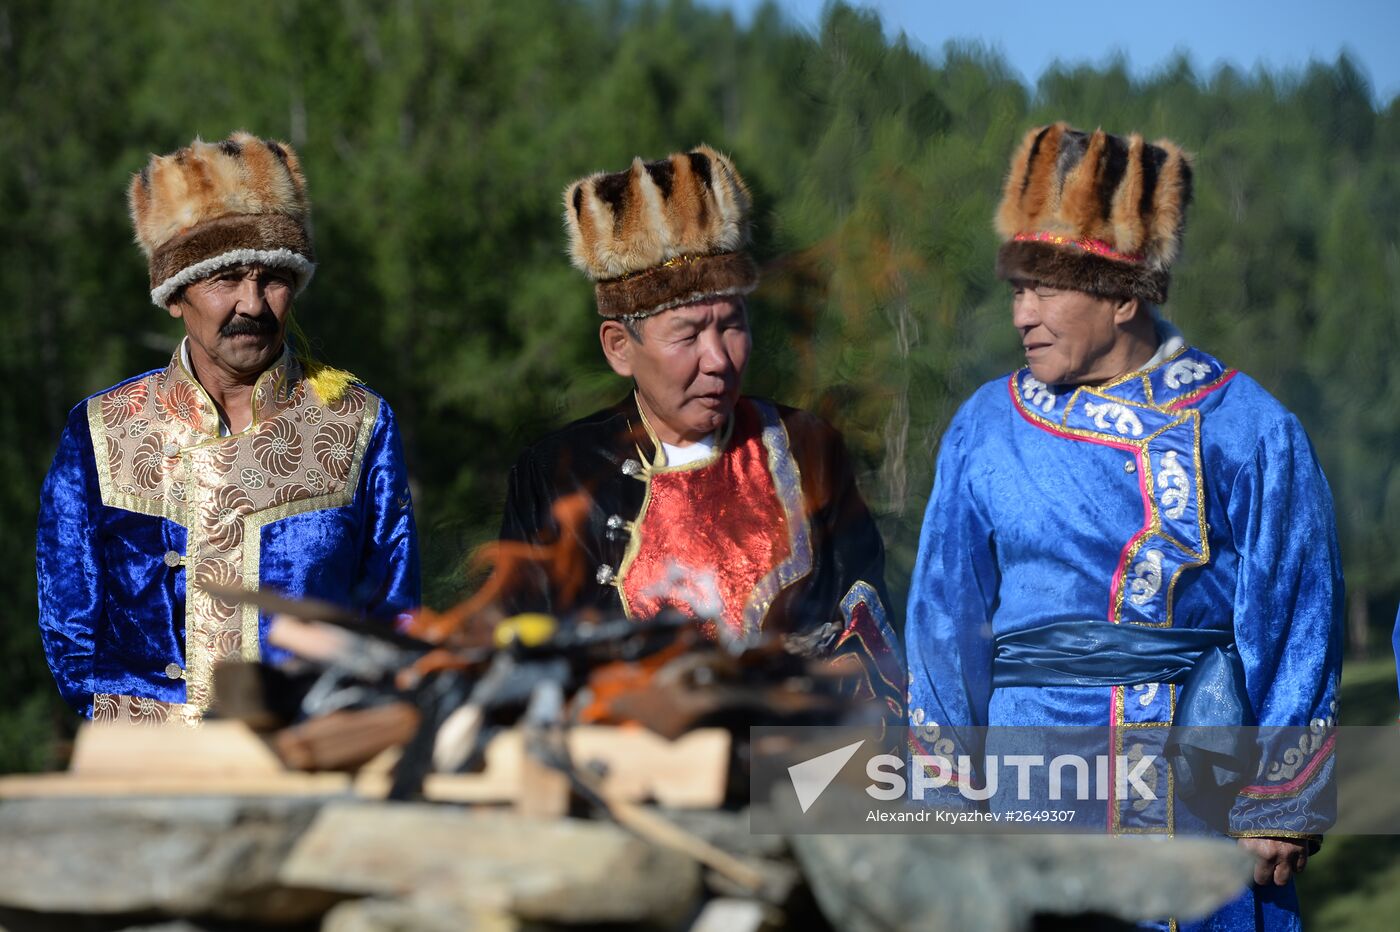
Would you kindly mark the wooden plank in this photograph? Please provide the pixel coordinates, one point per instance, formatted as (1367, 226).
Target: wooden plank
(214, 748)
(31, 786)
(689, 773)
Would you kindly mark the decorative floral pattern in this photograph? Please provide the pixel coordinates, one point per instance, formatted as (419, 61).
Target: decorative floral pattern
(277, 445)
(150, 465)
(114, 454)
(222, 519)
(216, 573)
(122, 404)
(181, 402)
(148, 711)
(289, 493)
(334, 448)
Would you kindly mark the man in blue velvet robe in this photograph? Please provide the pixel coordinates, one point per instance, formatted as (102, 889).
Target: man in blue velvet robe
(1124, 497)
(240, 464)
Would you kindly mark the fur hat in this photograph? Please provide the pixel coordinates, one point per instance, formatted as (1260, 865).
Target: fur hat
(212, 205)
(1094, 212)
(662, 234)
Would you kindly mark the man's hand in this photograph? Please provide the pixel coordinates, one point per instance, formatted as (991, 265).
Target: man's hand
(1276, 860)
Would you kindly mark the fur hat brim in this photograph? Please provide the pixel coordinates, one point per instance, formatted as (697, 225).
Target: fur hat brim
(265, 239)
(681, 282)
(1064, 267)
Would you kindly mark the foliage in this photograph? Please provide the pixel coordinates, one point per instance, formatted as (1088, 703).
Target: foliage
(437, 137)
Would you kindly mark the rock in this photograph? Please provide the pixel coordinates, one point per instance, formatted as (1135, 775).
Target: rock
(1002, 883)
(561, 870)
(177, 856)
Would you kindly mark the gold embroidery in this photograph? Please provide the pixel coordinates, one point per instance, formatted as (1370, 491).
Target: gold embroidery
(787, 482)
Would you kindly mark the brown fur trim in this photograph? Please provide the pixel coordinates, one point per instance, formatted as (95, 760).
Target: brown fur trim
(1009, 218)
(1125, 212)
(1061, 267)
(690, 204)
(1039, 189)
(1169, 204)
(673, 285)
(241, 175)
(226, 234)
(1079, 199)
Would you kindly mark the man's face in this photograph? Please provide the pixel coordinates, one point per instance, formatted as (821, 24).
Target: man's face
(237, 317)
(688, 365)
(1068, 335)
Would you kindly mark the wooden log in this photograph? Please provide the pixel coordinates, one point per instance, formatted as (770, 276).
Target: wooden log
(348, 739)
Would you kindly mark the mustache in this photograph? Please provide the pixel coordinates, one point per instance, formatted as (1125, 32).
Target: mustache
(262, 325)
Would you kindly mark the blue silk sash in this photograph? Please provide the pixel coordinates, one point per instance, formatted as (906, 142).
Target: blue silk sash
(1209, 761)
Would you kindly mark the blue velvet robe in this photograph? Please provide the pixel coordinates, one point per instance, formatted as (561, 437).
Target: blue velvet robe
(1183, 495)
(145, 502)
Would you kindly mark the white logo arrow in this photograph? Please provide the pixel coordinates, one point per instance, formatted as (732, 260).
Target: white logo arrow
(811, 777)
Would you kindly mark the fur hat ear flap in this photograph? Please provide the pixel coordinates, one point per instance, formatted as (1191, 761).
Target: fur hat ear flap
(1094, 212)
(661, 234)
(209, 206)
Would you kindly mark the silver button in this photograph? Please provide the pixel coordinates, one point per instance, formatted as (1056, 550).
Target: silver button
(172, 558)
(173, 671)
(631, 467)
(172, 449)
(1130, 466)
(615, 528)
(606, 574)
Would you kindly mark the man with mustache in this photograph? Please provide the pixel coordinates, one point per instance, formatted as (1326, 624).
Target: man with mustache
(739, 512)
(243, 463)
(1128, 535)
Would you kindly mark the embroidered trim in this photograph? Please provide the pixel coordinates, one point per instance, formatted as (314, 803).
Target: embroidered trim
(1096, 246)
(787, 482)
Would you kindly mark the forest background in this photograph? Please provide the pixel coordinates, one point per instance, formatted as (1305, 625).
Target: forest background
(438, 136)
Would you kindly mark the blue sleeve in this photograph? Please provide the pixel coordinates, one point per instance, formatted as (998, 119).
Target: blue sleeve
(389, 570)
(951, 595)
(1288, 628)
(69, 564)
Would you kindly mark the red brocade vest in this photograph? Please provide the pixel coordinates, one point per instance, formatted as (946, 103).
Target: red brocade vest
(767, 533)
(720, 537)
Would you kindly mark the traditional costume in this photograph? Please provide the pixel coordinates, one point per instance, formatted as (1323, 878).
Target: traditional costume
(762, 529)
(150, 499)
(1092, 555)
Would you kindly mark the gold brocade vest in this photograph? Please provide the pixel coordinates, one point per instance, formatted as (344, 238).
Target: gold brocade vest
(158, 452)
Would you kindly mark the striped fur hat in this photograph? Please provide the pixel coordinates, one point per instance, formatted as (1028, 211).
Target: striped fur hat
(662, 234)
(212, 205)
(1094, 212)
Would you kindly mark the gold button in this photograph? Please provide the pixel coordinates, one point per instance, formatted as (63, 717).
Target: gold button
(173, 671)
(172, 558)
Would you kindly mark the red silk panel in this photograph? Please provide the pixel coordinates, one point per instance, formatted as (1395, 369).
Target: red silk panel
(710, 533)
